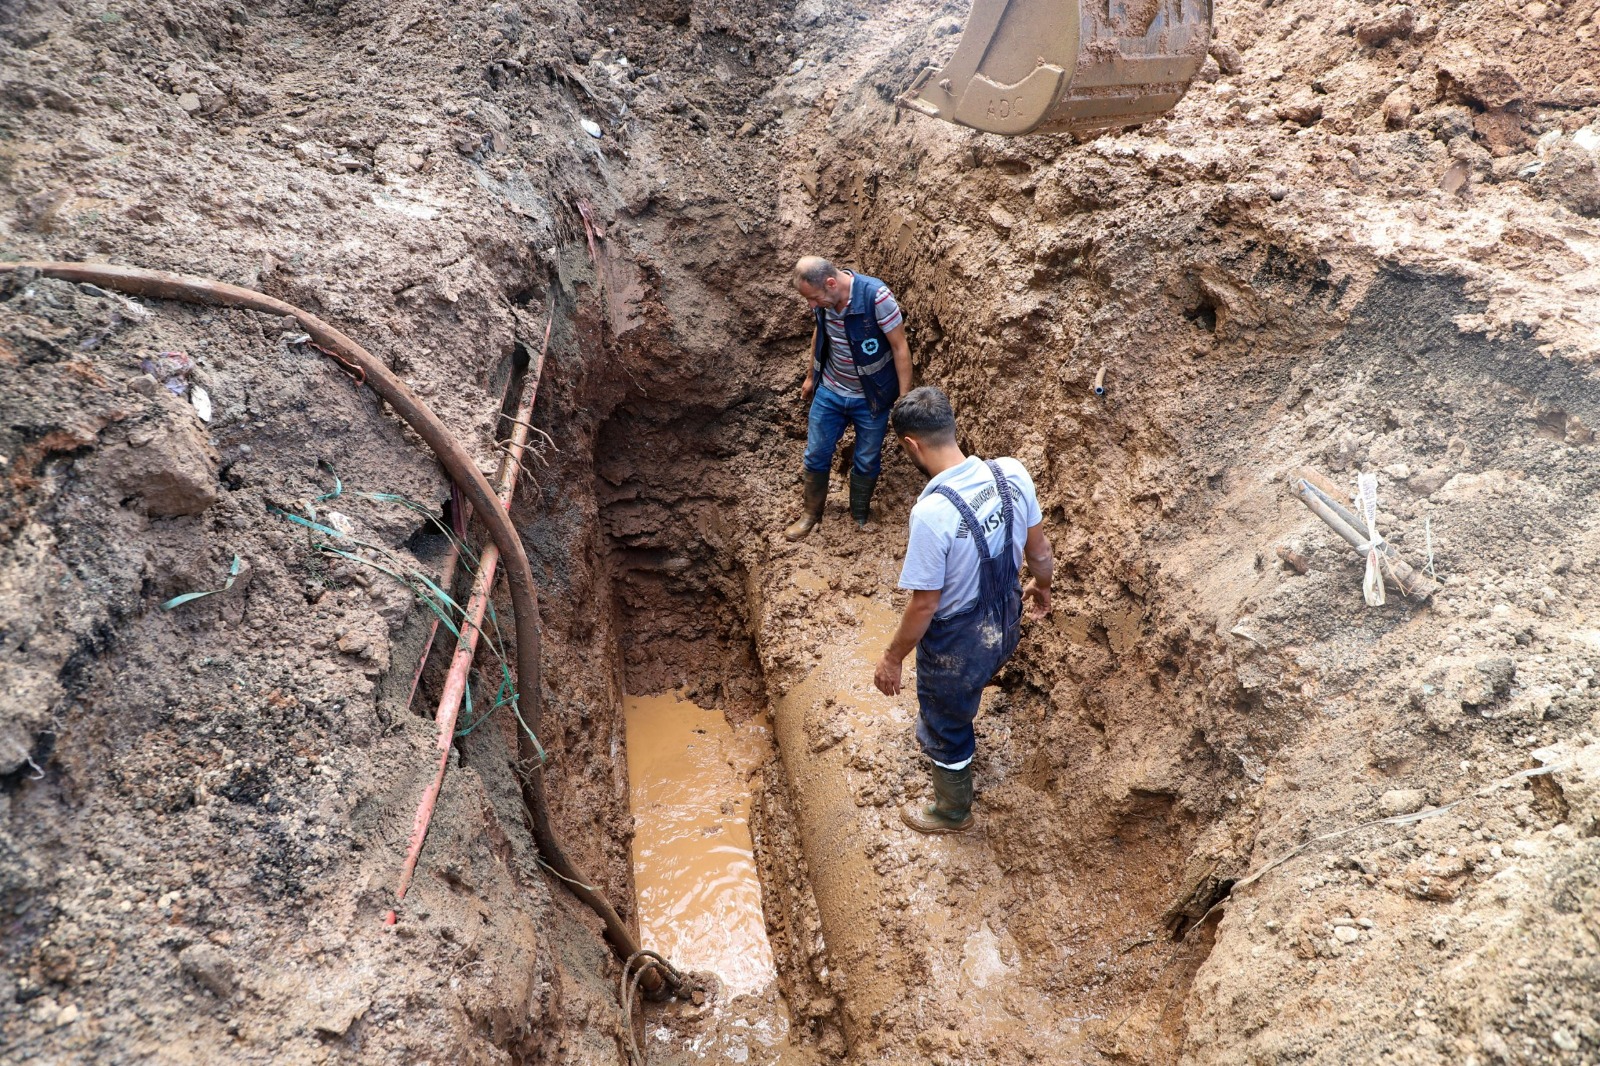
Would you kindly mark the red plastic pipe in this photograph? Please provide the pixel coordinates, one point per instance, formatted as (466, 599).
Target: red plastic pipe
(455, 684)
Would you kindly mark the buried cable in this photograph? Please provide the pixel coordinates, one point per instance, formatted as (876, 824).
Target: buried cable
(641, 963)
(455, 686)
(459, 465)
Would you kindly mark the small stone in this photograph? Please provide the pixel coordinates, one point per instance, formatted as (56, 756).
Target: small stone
(1484, 81)
(1304, 110)
(1572, 176)
(591, 128)
(1398, 801)
(70, 1014)
(1428, 482)
(1560, 1038)
(144, 385)
(1397, 22)
(190, 102)
(1346, 934)
(1366, 923)
(797, 66)
(209, 966)
(1229, 61)
(201, 400)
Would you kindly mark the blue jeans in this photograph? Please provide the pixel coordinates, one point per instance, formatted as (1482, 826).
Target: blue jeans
(829, 414)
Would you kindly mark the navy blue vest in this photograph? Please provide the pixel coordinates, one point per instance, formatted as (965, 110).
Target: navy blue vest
(869, 346)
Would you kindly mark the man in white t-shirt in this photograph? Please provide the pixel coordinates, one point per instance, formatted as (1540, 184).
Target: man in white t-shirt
(970, 530)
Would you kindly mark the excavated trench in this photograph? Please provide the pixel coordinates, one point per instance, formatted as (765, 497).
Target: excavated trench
(208, 805)
(1059, 921)
(1116, 753)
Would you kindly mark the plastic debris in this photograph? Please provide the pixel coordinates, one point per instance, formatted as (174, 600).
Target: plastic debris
(1322, 497)
(172, 369)
(591, 128)
(202, 402)
(1366, 500)
(188, 597)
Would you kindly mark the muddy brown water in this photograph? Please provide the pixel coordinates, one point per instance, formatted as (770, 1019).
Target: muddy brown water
(699, 896)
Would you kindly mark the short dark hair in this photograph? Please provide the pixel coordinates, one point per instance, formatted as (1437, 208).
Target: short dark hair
(924, 413)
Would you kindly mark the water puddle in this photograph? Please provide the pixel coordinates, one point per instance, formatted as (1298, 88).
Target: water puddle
(699, 897)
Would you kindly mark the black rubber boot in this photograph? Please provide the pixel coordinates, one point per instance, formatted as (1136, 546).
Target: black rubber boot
(861, 500)
(814, 497)
(951, 809)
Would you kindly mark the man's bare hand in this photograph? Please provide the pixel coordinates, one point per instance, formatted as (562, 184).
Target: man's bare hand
(1038, 597)
(887, 676)
(809, 388)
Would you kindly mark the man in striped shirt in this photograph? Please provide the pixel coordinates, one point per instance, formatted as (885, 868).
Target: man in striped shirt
(860, 365)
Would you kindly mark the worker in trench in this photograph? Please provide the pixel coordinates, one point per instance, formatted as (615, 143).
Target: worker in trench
(971, 529)
(860, 364)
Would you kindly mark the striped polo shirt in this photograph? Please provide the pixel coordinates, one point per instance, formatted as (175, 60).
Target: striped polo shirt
(839, 372)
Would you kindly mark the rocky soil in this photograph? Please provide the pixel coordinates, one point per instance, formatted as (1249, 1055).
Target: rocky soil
(1369, 239)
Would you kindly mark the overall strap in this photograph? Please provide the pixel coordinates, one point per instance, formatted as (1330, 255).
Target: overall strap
(978, 539)
(1005, 498)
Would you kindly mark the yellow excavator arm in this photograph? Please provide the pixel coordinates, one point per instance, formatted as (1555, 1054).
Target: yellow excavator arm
(1052, 66)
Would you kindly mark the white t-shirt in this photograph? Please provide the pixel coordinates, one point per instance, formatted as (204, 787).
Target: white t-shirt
(941, 554)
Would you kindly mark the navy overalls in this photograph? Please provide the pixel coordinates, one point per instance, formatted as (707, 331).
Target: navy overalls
(958, 655)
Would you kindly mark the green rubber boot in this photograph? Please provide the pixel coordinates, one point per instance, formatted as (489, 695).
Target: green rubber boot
(861, 488)
(814, 499)
(951, 809)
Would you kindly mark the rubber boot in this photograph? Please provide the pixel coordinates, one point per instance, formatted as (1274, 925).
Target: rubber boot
(951, 809)
(861, 488)
(814, 498)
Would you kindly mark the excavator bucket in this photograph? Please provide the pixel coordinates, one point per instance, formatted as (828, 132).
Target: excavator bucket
(1054, 66)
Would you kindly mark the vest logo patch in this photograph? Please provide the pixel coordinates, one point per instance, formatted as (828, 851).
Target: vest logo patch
(869, 346)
